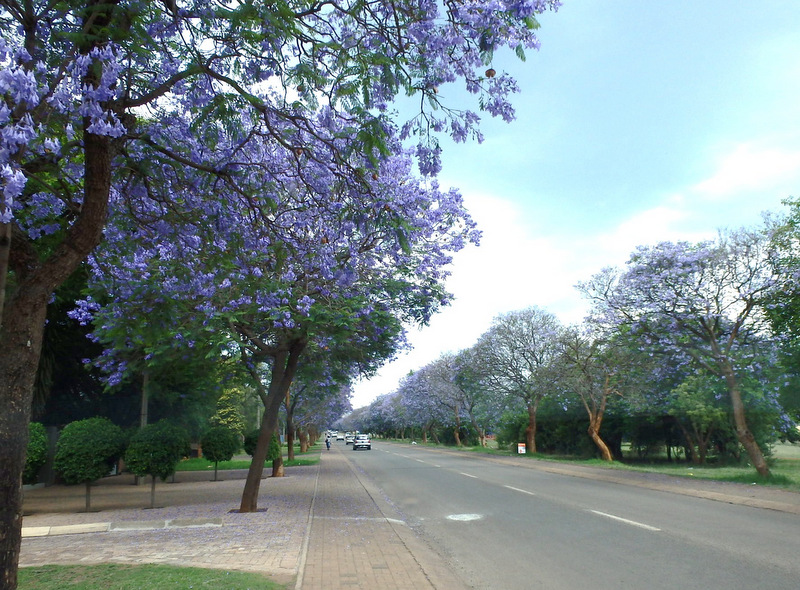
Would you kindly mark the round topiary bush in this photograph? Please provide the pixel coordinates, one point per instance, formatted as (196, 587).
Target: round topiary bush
(219, 443)
(155, 451)
(87, 450)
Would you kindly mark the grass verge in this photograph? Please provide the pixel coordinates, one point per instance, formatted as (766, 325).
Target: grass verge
(311, 457)
(135, 577)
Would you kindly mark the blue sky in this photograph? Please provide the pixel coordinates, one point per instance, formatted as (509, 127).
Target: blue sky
(638, 121)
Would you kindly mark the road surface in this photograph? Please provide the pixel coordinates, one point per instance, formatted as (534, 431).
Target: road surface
(503, 527)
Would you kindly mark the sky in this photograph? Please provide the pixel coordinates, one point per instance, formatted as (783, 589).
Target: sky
(638, 121)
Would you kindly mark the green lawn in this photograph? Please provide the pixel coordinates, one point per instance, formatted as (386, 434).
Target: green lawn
(243, 461)
(136, 577)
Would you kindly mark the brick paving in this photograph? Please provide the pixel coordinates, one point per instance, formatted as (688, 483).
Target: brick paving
(321, 526)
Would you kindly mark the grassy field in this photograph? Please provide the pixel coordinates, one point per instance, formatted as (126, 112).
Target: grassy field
(136, 577)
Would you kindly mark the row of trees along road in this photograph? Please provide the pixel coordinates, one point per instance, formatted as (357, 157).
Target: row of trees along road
(702, 335)
(242, 166)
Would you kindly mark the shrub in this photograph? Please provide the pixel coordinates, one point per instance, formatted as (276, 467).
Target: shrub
(219, 444)
(155, 451)
(87, 450)
(37, 452)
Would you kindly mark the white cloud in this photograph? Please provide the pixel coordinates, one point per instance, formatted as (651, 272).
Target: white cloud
(750, 168)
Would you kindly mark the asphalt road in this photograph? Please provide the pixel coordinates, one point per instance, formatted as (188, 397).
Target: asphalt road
(504, 527)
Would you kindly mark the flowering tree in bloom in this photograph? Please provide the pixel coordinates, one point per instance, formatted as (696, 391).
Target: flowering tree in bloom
(419, 405)
(518, 355)
(596, 368)
(119, 100)
(484, 409)
(699, 302)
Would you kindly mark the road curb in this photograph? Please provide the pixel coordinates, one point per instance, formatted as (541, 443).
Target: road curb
(127, 525)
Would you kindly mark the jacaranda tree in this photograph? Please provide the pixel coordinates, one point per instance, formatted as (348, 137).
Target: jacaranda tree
(518, 354)
(702, 304)
(106, 103)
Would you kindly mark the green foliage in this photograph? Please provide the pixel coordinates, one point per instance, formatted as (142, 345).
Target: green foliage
(229, 411)
(274, 451)
(220, 443)
(156, 449)
(250, 440)
(511, 429)
(37, 452)
(87, 450)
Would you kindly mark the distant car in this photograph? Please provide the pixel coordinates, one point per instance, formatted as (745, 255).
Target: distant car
(348, 438)
(340, 436)
(362, 441)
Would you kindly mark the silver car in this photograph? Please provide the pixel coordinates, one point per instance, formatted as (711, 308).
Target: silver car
(362, 441)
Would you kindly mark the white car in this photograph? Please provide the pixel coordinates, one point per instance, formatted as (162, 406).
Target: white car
(362, 441)
(340, 436)
(348, 438)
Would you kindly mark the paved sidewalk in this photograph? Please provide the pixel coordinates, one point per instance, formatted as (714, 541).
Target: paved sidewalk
(325, 526)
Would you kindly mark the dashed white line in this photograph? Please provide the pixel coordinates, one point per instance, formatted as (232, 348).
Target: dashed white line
(626, 521)
(519, 490)
(468, 475)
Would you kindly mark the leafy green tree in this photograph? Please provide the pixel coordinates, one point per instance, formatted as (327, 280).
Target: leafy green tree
(696, 405)
(155, 451)
(219, 444)
(87, 450)
(229, 411)
(37, 452)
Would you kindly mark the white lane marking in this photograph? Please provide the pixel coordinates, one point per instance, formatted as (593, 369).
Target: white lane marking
(420, 461)
(519, 490)
(468, 475)
(626, 521)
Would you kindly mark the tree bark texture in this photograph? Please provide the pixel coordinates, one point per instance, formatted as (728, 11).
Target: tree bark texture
(743, 433)
(21, 334)
(284, 368)
(530, 431)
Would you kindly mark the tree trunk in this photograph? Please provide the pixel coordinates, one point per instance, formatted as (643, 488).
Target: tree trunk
(690, 443)
(21, 343)
(303, 441)
(530, 431)
(594, 433)
(290, 429)
(152, 491)
(277, 467)
(743, 433)
(21, 333)
(284, 367)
